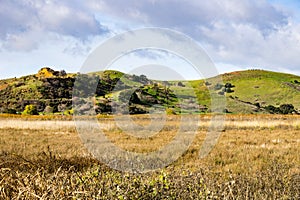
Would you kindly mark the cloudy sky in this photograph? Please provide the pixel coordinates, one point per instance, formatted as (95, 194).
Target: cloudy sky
(236, 34)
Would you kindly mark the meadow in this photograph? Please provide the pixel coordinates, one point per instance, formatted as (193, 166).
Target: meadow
(256, 157)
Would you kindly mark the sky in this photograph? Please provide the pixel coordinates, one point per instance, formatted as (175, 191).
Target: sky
(235, 34)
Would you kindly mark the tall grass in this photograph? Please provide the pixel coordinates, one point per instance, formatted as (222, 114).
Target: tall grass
(46, 160)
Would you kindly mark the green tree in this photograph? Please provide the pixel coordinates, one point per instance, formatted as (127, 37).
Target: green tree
(287, 108)
(30, 110)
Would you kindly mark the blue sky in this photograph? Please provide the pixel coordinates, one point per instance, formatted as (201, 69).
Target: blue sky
(236, 34)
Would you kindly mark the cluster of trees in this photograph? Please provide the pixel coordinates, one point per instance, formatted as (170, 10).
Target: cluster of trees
(227, 88)
(282, 109)
(48, 72)
(57, 88)
(33, 110)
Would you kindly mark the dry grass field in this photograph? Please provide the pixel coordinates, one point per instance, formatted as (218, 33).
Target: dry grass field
(256, 157)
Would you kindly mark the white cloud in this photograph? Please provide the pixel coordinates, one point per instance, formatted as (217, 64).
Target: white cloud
(245, 45)
(187, 14)
(24, 23)
(66, 20)
(236, 33)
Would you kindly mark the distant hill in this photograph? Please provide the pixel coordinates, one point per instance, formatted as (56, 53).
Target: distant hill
(262, 89)
(259, 91)
(251, 91)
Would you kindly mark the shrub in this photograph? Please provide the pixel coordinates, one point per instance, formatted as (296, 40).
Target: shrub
(30, 110)
(218, 86)
(283, 109)
(9, 111)
(180, 84)
(229, 85)
(69, 112)
(257, 105)
(272, 109)
(207, 83)
(287, 108)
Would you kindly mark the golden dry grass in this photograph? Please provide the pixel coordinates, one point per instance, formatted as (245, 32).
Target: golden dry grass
(256, 157)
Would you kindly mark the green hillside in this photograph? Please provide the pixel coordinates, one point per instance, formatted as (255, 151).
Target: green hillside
(50, 91)
(262, 88)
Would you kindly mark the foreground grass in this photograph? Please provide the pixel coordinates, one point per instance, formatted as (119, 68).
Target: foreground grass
(249, 162)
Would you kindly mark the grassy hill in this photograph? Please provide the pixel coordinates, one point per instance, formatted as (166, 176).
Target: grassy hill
(251, 91)
(262, 88)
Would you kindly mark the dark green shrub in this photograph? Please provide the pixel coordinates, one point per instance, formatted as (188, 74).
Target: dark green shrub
(10, 111)
(218, 86)
(283, 109)
(286, 108)
(229, 85)
(257, 105)
(180, 84)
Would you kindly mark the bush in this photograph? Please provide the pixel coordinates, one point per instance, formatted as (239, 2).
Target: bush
(207, 83)
(218, 86)
(229, 85)
(69, 112)
(257, 105)
(283, 109)
(287, 108)
(10, 111)
(30, 110)
(180, 84)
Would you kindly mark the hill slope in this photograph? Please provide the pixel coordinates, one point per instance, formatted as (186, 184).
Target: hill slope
(263, 88)
(252, 91)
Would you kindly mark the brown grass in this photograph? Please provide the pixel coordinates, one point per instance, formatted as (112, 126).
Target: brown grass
(256, 157)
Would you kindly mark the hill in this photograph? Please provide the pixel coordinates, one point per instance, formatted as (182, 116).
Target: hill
(251, 91)
(258, 91)
(262, 89)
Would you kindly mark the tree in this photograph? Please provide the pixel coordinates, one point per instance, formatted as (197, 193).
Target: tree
(62, 73)
(30, 110)
(283, 109)
(229, 85)
(272, 109)
(287, 108)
